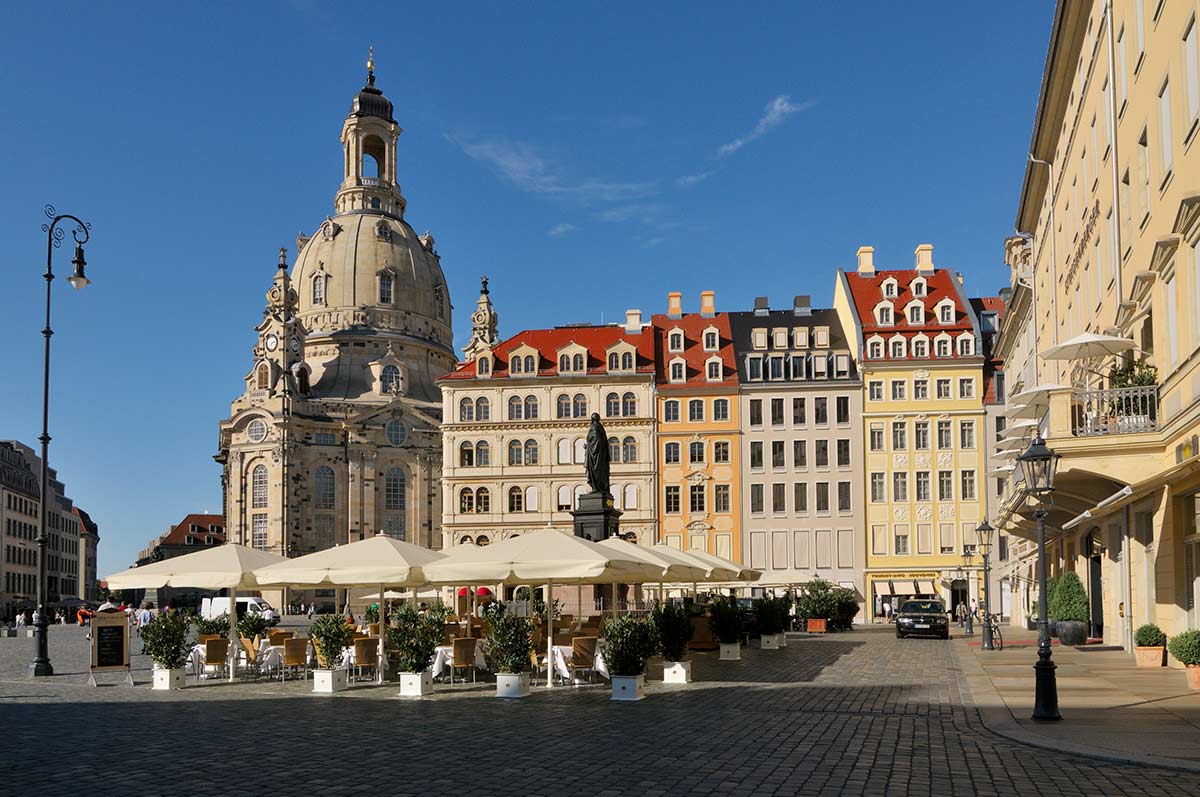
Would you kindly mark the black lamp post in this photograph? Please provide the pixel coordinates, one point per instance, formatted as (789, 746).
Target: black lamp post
(984, 530)
(1039, 465)
(54, 237)
(966, 557)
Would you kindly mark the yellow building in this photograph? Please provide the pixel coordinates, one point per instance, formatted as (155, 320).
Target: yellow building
(699, 500)
(916, 339)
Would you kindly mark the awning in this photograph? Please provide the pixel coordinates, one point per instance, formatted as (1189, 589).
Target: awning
(882, 588)
(904, 588)
(926, 588)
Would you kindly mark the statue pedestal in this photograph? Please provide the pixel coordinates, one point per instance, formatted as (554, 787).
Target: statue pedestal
(595, 517)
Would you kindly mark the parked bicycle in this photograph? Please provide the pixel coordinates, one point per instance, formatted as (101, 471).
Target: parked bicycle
(997, 637)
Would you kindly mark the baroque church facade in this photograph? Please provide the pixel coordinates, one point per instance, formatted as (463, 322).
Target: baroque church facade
(337, 434)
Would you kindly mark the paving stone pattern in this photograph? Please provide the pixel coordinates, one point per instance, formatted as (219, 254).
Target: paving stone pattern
(858, 713)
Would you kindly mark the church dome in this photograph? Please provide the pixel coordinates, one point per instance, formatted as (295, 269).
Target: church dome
(371, 102)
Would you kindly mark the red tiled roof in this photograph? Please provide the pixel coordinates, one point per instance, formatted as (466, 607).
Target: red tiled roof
(693, 325)
(867, 293)
(596, 339)
(179, 533)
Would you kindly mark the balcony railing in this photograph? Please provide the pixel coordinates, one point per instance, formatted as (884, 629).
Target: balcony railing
(1118, 410)
(374, 182)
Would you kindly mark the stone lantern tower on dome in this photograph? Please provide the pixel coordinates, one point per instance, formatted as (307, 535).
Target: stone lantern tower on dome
(340, 437)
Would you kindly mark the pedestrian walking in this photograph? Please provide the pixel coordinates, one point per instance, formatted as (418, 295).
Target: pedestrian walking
(887, 611)
(311, 607)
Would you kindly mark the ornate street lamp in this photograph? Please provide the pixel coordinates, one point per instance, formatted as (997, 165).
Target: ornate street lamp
(1039, 466)
(984, 532)
(967, 557)
(54, 237)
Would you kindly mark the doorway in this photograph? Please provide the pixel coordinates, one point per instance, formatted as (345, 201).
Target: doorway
(1095, 554)
(958, 594)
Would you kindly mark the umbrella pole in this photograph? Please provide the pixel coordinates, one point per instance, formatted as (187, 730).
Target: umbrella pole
(549, 634)
(235, 640)
(613, 608)
(382, 637)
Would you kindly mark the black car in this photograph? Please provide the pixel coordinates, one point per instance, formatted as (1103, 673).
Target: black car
(922, 618)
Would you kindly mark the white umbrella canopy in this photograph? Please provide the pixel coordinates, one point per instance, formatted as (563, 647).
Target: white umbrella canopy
(229, 566)
(743, 573)
(375, 560)
(1011, 444)
(1038, 395)
(673, 568)
(1028, 411)
(712, 570)
(1088, 345)
(1020, 428)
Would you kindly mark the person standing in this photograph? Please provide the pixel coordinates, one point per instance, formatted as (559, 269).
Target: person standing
(311, 608)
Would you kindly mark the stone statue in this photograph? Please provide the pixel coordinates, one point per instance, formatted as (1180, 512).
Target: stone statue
(597, 456)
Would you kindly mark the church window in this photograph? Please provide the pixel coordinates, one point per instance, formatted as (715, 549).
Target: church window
(530, 365)
(482, 454)
(516, 499)
(614, 449)
(258, 531)
(483, 409)
(614, 361)
(375, 205)
(628, 405)
(531, 452)
(394, 489)
(466, 500)
(395, 431)
(564, 362)
(258, 487)
(483, 500)
(439, 302)
(264, 377)
(627, 361)
(325, 439)
(466, 454)
(318, 289)
(612, 405)
(531, 408)
(466, 410)
(563, 406)
(629, 450)
(515, 452)
(514, 408)
(323, 487)
(385, 288)
(579, 406)
(577, 362)
(302, 379)
(389, 380)
(256, 431)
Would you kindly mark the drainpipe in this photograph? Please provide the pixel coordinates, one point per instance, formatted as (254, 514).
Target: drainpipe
(1112, 131)
(1053, 259)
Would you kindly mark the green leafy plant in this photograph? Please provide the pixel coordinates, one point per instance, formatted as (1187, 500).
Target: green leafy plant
(1149, 636)
(1069, 601)
(492, 609)
(415, 636)
(772, 615)
(510, 642)
(1185, 647)
(631, 642)
(727, 620)
(165, 641)
(822, 600)
(253, 624)
(1133, 374)
(674, 623)
(372, 613)
(217, 625)
(332, 635)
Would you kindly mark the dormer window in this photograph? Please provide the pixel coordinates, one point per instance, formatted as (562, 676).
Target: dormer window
(946, 312)
(943, 346)
(577, 363)
(483, 366)
(966, 346)
(713, 370)
(759, 338)
(781, 338)
(875, 349)
(318, 289)
(564, 362)
(389, 380)
(821, 337)
(920, 348)
(889, 288)
(675, 341)
(678, 371)
(918, 287)
(530, 364)
(800, 337)
(514, 365)
(897, 348)
(883, 314)
(916, 314)
(711, 340)
(627, 361)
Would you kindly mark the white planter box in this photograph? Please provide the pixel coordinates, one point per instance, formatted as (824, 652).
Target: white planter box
(782, 639)
(769, 642)
(416, 684)
(677, 672)
(30, 633)
(628, 688)
(512, 685)
(8, 632)
(330, 681)
(169, 679)
(731, 652)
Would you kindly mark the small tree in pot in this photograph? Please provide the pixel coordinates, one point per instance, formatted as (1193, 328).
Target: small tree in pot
(674, 622)
(727, 626)
(330, 636)
(252, 625)
(165, 641)
(1185, 647)
(630, 641)
(771, 614)
(1150, 646)
(415, 636)
(218, 625)
(1069, 605)
(510, 647)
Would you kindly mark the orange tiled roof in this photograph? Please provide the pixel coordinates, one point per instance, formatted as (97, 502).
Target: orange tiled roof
(693, 325)
(595, 339)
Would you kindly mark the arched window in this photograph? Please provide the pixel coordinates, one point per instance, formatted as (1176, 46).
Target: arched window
(514, 408)
(484, 366)
(564, 497)
(439, 301)
(318, 289)
(614, 361)
(466, 410)
(627, 361)
(482, 454)
(302, 379)
(714, 371)
(579, 491)
(564, 451)
(579, 406)
(515, 452)
(614, 449)
(482, 541)
(516, 499)
(631, 496)
(676, 341)
(628, 405)
(389, 379)
(396, 432)
(483, 500)
(580, 450)
(629, 450)
(563, 406)
(564, 363)
(483, 409)
(612, 405)
(258, 487)
(531, 408)
(514, 365)
(530, 364)
(323, 487)
(466, 454)
(677, 373)
(531, 452)
(531, 500)
(393, 489)
(898, 349)
(875, 349)
(920, 349)
(385, 288)
(943, 348)
(264, 377)
(577, 363)
(671, 454)
(966, 346)
(466, 500)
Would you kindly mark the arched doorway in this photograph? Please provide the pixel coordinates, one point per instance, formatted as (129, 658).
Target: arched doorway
(1094, 547)
(959, 593)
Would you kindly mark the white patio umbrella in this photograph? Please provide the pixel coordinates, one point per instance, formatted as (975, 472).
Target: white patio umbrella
(1001, 470)
(743, 573)
(1088, 345)
(713, 572)
(1021, 428)
(230, 566)
(673, 568)
(1012, 444)
(1038, 395)
(540, 557)
(1027, 411)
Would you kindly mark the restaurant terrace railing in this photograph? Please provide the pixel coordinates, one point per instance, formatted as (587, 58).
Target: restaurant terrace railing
(1119, 410)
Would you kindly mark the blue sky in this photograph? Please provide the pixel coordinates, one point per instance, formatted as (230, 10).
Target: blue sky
(587, 157)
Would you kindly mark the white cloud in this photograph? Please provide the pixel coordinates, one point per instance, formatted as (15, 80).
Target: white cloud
(776, 112)
(688, 180)
(560, 229)
(646, 213)
(521, 165)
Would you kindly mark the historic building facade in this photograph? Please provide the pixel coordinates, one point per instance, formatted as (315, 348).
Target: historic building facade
(917, 342)
(801, 449)
(516, 420)
(336, 435)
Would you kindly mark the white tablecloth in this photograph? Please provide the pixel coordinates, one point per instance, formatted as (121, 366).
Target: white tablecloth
(444, 657)
(563, 652)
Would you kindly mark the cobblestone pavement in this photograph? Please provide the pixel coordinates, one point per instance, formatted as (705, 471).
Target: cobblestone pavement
(858, 713)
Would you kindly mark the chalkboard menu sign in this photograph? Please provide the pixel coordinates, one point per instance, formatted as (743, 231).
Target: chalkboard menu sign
(110, 641)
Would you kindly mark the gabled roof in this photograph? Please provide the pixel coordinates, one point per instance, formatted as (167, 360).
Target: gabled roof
(85, 520)
(693, 326)
(596, 339)
(866, 292)
(179, 532)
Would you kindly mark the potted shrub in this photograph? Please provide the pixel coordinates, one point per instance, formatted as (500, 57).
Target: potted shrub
(1185, 648)
(217, 625)
(1071, 611)
(415, 637)
(1150, 646)
(165, 641)
(1051, 622)
(727, 624)
(771, 616)
(330, 636)
(630, 642)
(1132, 414)
(509, 646)
(253, 625)
(826, 607)
(674, 622)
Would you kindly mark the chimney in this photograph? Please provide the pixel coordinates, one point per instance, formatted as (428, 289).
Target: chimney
(802, 305)
(708, 304)
(866, 261)
(633, 321)
(674, 304)
(761, 307)
(924, 254)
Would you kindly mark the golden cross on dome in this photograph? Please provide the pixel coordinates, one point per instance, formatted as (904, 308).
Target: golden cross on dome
(371, 64)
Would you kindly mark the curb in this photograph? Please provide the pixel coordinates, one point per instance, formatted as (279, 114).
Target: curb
(998, 719)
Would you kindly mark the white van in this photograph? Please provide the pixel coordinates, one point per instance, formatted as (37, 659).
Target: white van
(215, 607)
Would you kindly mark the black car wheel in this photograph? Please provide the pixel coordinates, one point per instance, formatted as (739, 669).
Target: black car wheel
(898, 634)
(946, 634)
